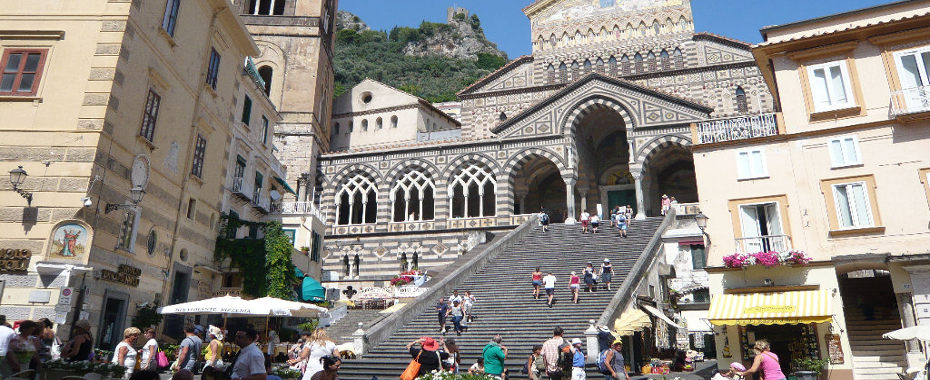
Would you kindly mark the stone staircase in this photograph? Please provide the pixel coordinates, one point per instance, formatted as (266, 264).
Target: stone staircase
(874, 357)
(341, 331)
(505, 304)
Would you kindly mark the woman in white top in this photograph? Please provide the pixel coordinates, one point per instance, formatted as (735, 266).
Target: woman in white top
(318, 346)
(125, 354)
(148, 351)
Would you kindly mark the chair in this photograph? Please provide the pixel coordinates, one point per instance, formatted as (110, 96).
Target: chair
(28, 374)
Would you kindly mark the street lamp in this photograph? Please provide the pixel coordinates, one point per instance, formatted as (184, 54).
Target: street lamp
(135, 197)
(701, 221)
(17, 177)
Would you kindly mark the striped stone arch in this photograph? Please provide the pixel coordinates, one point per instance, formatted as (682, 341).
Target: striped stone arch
(464, 159)
(395, 172)
(656, 145)
(586, 107)
(516, 162)
(341, 175)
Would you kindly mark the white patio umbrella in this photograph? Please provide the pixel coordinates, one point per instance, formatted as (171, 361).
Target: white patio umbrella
(284, 308)
(228, 306)
(921, 333)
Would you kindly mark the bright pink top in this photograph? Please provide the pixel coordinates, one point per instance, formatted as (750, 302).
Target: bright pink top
(537, 277)
(770, 368)
(575, 280)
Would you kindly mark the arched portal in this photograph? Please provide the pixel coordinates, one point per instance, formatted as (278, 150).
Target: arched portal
(603, 153)
(539, 185)
(669, 170)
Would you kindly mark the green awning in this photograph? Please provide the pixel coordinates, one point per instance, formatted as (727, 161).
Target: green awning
(311, 290)
(286, 186)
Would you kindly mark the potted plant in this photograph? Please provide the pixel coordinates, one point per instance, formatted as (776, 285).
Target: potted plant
(305, 250)
(809, 368)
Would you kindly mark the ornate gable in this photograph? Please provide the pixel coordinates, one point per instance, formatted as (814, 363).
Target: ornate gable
(641, 108)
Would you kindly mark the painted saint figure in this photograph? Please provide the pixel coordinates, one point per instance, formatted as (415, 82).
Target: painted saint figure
(70, 243)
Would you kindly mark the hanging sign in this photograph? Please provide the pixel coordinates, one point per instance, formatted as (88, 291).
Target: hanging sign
(14, 260)
(834, 348)
(126, 275)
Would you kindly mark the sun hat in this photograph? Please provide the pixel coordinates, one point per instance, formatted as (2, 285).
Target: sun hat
(216, 331)
(738, 367)
(429, 344)
(573, 273)
(606, 260)
(83, 324)
(576, 341)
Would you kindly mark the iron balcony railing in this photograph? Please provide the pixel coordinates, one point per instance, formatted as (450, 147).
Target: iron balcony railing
(737, 128)
(237, 185)
(777, 243)
(910, 101)
(298, 208)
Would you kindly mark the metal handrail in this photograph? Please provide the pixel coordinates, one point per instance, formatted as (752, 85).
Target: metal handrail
(910, 100)
(777, 243)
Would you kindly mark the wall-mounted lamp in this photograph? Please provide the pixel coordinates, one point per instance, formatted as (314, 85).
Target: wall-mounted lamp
(701, 221)
(17, 177)
(135, 196)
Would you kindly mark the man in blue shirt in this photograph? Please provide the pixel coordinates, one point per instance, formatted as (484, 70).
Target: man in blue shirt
(577, 360)
(443, 309)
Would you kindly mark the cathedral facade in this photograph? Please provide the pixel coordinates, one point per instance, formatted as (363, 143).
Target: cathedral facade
(598, 116)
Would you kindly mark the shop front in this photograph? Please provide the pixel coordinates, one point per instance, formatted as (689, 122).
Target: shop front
(790, 320)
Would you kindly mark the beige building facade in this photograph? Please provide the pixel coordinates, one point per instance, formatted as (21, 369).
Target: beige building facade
(840, 174)
(139, 100)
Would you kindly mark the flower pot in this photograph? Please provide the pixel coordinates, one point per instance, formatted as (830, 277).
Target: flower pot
(806, 375)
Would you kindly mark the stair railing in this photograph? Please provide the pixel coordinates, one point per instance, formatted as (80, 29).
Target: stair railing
(383, 330)
(637, 274)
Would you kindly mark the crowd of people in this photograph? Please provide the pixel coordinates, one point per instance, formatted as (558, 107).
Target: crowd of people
(557, 358)
(459, 307)
(620, 218)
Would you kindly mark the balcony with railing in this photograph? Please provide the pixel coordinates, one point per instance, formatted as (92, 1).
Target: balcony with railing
(263, 204)
(238, 189)
(777, 243)
(911, 103)
(737, 128)
(298, 209)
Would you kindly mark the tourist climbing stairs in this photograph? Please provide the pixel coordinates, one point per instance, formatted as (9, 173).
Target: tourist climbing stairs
(505, 304)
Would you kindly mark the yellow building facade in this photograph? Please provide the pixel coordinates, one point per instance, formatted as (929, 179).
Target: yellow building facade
(105, 102)
(840, 174)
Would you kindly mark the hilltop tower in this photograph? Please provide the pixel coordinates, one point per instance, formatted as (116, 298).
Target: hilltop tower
(296, 40)
(453, 11)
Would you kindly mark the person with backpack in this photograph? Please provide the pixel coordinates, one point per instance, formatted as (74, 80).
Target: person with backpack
(610, 362)
(622, 224)
(544, 219)
(551, 351)
(535, 365)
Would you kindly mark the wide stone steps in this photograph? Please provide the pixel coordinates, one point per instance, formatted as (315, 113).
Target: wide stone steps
(342, 330)
(505, 304)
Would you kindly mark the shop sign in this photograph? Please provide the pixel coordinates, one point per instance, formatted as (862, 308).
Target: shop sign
(126, 275)
(14, 260)
(834, 348)
(765, 309)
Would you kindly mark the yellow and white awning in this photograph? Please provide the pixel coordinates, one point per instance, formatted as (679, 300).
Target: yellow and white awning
(631, 321)
(785, 308)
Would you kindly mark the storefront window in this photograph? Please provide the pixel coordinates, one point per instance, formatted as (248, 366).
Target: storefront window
(788, 342)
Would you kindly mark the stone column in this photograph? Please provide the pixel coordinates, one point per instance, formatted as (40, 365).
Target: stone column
(906, 308)
(570, 200)
(359, 342)
(583, 191)
(302, 188)
(591, 342)
(522, 198)
(640, 203)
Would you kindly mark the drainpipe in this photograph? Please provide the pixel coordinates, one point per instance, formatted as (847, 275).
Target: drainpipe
(192, 137)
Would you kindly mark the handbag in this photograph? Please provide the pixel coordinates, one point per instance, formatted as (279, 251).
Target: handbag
(161, 359)
(413, 369)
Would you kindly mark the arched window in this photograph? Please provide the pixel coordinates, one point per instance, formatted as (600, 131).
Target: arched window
(638, 63)
(550, 73)
(677, 60)
(393, 121)
(471, 192)
(552, 40)
(364, 125)
(682, 24)
(574, 70)
(357, 265)
(641, 31)
(600, 65)
(664, 59)
(563, 72)
(502, 116)
(651, 61)
(265, 72)
(265, 7)
(379, 123)
(336, 129)
(742, 106)
(587, 66)
(357, 200)
(656, 28)
(351, 127)
(412, 197)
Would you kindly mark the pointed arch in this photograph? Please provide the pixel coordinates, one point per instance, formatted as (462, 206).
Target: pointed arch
(357, 199)
(742, 106)
(413, 195)
(472, 190)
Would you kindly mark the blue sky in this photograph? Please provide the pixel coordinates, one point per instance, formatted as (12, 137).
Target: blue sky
(505, 24)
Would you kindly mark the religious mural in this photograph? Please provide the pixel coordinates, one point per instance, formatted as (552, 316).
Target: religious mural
(69, 241)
